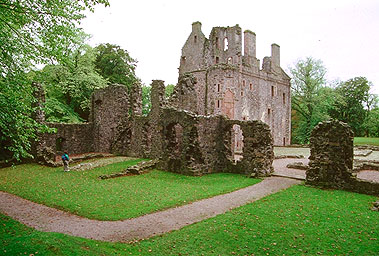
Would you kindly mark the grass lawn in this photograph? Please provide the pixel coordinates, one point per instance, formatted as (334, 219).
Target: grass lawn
(366, 141)
(298, 221)
(82, 193)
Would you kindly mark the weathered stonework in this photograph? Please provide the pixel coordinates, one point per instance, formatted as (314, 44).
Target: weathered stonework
(231, 83)
(331, 159)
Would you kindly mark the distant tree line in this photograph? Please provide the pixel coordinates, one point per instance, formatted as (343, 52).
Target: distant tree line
(314, 100)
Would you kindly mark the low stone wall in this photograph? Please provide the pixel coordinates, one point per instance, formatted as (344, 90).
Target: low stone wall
(75, 138)
(331, 159)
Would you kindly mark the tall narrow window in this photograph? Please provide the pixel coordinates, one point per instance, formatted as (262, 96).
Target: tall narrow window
(218, 87)
(272, 91)
(243, 82)
(195, 39)
(218, 104)
(217, 60)
(251, 86)
(284, 141)
(241, 93)
(284, 98)
(226, 44)
(268, 114)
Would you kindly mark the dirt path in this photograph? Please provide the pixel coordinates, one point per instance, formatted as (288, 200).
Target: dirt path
(48, 219)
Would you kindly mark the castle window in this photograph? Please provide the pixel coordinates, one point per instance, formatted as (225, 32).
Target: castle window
(218, 88)
(284, 141)
(241, 93)
(244, 118)
(195, 39)
(243, 82)
(251, 86)
(284, 98)
(226, 44)
(268, 114)
(272, 91)
(218, 103)
(217, 60)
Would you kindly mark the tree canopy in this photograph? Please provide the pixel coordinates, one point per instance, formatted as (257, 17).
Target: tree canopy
(115, 64)
(32, 32)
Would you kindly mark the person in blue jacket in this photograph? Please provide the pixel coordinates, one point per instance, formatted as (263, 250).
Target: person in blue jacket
(65, 160)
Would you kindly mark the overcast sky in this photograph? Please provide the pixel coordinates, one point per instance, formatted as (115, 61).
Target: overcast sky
(344, 34)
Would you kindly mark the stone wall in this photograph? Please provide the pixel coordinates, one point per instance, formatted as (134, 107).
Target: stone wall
(183, 141)
(331, 159)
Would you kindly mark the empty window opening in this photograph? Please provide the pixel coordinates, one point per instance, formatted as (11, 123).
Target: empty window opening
(218, 88)
(218, 103)
(217, 60)
(237, 143)
(268, 114)
(226, 44)
(284, 141)
(272, 91)
(195, 39)
(251, 87)
(241, 93)
(243, 82)
(284, 98)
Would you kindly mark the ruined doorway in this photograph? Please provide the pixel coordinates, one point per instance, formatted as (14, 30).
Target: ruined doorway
(236, 143)
(228, 104)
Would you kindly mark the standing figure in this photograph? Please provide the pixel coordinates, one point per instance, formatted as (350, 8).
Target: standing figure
(65, 160)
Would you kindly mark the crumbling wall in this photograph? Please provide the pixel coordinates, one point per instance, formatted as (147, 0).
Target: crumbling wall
(331, 159)
(110, 114)
(74, 138)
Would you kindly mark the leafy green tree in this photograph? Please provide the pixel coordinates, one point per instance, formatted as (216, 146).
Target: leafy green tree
(350, 108)
(169, 90)
(32, 32)
(115, 64)
(308, 78)
(146, 100)
(74, 82)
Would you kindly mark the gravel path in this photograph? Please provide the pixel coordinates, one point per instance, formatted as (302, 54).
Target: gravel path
(48, 219)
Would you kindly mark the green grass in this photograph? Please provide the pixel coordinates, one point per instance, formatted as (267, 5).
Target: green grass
(298, 221)
(82, 193)
(366, 141)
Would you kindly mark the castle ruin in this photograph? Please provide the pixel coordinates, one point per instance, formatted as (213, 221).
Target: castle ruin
(233, 84)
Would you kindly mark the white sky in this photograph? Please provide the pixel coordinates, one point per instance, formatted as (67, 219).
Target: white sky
(344, 34)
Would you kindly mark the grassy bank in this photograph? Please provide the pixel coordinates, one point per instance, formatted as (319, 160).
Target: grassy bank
(366, 141)
(298, 221)
(82, 193)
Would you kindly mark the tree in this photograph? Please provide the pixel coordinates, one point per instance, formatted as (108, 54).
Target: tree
(115, 64)
(350, 108)
(146, 100)
(32, 32)
(74, 82)
(39, 31)
(308, 78)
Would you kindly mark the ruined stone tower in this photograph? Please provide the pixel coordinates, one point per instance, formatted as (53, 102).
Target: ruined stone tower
(233, 83)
